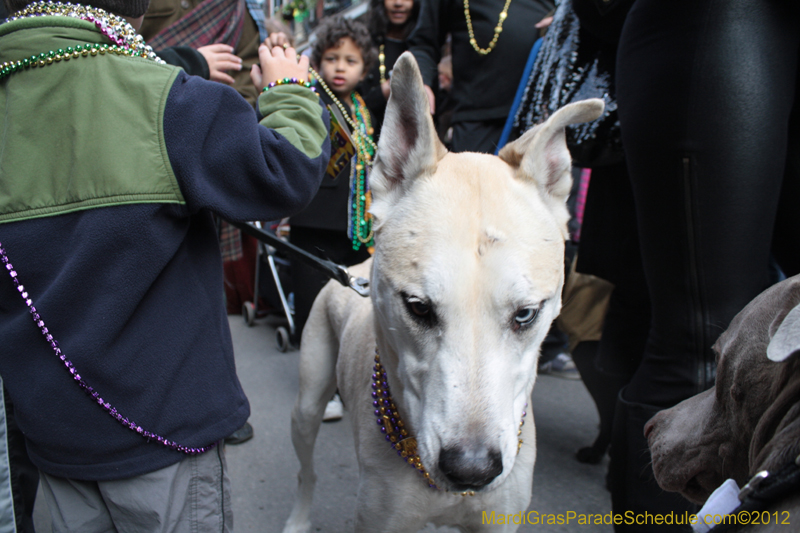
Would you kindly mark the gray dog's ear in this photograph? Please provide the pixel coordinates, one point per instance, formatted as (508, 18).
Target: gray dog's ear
(786, 340)
(541, 154)
(408, 147)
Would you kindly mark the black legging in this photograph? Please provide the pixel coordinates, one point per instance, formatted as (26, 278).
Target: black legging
(706, 90)
(307, 281)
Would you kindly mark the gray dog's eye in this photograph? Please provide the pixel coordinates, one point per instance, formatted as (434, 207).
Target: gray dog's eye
(525, 317)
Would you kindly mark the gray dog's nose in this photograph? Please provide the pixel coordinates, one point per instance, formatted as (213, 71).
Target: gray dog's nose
(470, 468)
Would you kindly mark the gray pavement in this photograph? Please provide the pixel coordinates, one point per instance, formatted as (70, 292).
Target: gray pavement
(263, 470)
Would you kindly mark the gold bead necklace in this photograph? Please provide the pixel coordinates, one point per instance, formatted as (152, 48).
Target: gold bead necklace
(497, 29)
(359, 140)
(382, 67)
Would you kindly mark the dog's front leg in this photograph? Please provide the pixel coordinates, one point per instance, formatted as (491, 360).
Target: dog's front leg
(391, 503)
(317, 384)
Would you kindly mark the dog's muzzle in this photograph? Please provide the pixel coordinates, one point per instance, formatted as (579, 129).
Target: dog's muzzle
(470, 468)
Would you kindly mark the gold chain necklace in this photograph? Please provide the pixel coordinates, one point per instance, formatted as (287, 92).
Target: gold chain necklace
(382, 67)
(497, 29)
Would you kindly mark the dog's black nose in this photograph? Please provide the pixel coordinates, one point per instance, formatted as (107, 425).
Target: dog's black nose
(470, 468)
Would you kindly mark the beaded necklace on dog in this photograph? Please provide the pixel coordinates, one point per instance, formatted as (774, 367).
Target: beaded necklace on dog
(124, 38)
(76, 377)
(393, 428)
(359, 226)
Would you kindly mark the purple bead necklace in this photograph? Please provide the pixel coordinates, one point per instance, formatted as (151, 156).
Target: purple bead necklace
(130, 424)
(393, 428)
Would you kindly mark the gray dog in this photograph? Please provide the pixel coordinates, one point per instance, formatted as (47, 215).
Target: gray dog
(748, 423)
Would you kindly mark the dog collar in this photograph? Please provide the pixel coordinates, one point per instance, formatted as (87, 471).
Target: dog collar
(765, 489)
(393, 428)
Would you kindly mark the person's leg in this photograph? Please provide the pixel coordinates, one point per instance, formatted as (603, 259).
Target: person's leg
(24, 474)
(191, 496)
(307, 280)
(9, 521)
(787, 221)
(75, 506)
(705, 131)
(609, 249)
(704, 88)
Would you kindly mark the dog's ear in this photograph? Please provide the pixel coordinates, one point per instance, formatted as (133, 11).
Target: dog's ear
(409, 146)
(541, 154)
(786, 340)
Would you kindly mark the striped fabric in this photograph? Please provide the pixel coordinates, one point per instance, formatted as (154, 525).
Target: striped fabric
(213, 21)
(230, 242)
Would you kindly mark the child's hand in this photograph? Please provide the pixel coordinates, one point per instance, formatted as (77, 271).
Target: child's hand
(277, 39)
(220, 58)
(277, 64)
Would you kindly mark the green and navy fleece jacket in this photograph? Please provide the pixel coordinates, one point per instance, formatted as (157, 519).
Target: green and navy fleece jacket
(110, 169)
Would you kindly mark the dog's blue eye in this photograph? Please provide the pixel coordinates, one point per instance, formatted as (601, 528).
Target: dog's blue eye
(525, 316)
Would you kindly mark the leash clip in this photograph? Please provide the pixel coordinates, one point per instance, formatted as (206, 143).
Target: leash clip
(359, 284)
(752, 485)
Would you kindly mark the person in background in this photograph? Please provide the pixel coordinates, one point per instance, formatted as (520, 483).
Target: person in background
(337, 225)
(444, 103)
(390, 22)
(139, 398)
(202, 23)
(491, 41)
(708, 104)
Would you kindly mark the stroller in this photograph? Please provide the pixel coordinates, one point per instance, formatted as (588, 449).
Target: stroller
(276, 254)
(272, 285)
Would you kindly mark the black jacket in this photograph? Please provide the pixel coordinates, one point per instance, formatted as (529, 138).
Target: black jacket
(483, 86)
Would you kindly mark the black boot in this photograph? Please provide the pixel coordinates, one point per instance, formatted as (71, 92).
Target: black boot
(604, 389)
(634, 492)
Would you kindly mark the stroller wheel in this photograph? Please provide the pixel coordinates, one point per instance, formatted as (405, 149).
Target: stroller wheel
(249, 313)
(282, 339)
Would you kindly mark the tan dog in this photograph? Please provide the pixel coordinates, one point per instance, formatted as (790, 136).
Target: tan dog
(750, 421)
(465, 281)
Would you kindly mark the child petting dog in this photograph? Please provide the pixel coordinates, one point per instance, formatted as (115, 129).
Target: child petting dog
(112, 165)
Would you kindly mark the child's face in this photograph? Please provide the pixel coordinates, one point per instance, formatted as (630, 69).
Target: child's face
(342, 67)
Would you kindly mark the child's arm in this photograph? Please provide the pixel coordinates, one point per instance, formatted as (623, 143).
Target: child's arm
(277, 108)
(226, 162)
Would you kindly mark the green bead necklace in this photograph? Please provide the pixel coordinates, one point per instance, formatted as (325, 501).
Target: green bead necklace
(359, 229)
(63, 54)
(361, 222)
(125, 40)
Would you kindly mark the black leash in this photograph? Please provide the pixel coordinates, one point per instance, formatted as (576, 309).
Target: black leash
(331, 269)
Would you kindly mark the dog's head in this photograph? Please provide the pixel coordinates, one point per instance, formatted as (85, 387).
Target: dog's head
(467, 277)
(750, 420)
